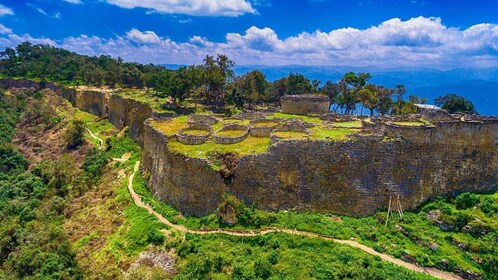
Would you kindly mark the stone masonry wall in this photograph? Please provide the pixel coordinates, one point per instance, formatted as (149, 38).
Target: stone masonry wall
(129, 112)
(355, 177)
(93, 102)
(305, 104)
(188, 184)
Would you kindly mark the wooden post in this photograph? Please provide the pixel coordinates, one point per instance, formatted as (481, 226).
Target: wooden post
(400, 210)
(388, 210)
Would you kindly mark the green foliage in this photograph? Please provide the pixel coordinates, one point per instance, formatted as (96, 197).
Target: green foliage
(155, 237)
(298, 258)
(466, 200)
(489, 206)
(74, 134)
(32, 242)
(95, 161)
(455, 104)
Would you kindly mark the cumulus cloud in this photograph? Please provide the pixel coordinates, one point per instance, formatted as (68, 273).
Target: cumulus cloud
(230, 8)
(146, 37)
(420, 42)
(5, 11)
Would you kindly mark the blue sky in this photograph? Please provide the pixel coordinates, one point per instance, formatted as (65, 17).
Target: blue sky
(437, 34)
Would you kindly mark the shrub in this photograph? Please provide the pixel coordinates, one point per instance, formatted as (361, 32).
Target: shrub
(74, 134)
(262, 268)
(489, 206)
(466, 200)
(155, 237)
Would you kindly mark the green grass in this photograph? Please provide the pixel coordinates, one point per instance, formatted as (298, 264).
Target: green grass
(171, 127)
(336, 134)
(234, 121)
(265, 124)
(196, 132)
(279, 256)
(103, 129)
(310, 119)
(290, 134)
(230, 133)
(353, 124)
(250, 146)
(410, 123)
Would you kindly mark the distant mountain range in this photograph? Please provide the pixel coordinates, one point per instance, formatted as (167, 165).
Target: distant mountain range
(477, 85)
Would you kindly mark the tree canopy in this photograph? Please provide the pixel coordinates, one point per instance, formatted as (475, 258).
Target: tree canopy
(455, 104)
(213, 82)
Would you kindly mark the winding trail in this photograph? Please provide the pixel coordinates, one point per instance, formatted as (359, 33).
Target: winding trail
(101, 142)
(248, 233)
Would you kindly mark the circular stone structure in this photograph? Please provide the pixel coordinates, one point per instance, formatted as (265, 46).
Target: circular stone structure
(209, 120)
(263, 127)
(305, 104)
(289, 126)
(194, 139)
(224, 139)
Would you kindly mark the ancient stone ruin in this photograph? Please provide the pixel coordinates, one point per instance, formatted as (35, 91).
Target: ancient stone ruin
(353, 176)
(305, 104)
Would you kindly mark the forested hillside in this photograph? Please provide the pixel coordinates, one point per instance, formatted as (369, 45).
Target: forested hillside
(213, 82)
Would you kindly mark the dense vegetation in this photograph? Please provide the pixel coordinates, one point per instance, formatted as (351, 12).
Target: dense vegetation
(455, 104)
(33, 244)
(213, 82)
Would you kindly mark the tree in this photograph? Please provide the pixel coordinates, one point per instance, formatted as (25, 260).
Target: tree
(332, 90)
(298, 84)
(398, 91)
(350, 84)
(217, 73)
(369, 97)
(74, 134)
(278, 89)
(252, 86)
(455, 104)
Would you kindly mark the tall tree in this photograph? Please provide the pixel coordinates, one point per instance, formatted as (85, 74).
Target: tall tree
(298, 84)
(455, 104)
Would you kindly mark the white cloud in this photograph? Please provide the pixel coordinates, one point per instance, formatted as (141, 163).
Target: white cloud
(230, 8)
(4, 29)
(73, 1)
(38, 9)
(146, 37)
(421, 42)
(5, 11)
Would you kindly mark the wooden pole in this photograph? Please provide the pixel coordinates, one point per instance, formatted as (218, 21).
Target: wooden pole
(388, 211)
(400, 208)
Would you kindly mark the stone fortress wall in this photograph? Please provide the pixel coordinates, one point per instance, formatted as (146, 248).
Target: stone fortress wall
(354, 177)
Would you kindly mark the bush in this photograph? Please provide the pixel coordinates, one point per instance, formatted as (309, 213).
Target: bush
(262, 268)
(74, 134)
(466, 200)
(489, 206)
(155, 237)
